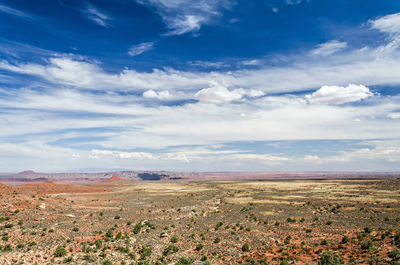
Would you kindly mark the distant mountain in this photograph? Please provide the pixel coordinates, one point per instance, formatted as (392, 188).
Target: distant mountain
(110, 176)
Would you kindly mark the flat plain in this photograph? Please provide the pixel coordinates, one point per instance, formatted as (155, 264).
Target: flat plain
(202, 222)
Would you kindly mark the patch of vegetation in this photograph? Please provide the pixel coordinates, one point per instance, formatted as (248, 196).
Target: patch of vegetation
(60, 252)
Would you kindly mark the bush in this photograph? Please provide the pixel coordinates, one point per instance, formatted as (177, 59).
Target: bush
(98, 243)
(199, 246)
(366, 244)
(345, 239)
(107, 262)
(145, 251)
(68, 260)
(217, 240)
(324, 242)
(291, 220)
(245, 247)
(328, 258)
(7, 248)
(174, 239)
(184, 261)
(367, 230)
(170, 249)
(284, 262)
(60, 252)
(137, 228)
(394, 255)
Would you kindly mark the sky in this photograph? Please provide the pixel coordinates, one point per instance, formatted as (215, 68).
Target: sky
(199, 85)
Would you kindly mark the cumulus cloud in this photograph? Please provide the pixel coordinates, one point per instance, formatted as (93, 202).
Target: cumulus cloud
(158, 95)
(140, 48)
(329, 48)
(339, 95)
(219, 92)
(67, 106)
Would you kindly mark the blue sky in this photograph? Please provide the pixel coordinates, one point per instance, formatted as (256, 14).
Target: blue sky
(217, 85)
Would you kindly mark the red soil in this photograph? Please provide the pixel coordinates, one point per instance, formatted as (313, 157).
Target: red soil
(50, 187)
(115, 178)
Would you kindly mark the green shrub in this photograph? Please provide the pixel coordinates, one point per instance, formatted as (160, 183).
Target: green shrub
(199, 246)
(245, 247)
(107, 262)
(146, 251)
(366, 244)
(60, 252)
(324, 242)
(328, 258)
(174, 239)
(68, 260)
(170, 249)
(184, 261)
(284, 262)
(394, 255)
(291, 220)
(367, 230)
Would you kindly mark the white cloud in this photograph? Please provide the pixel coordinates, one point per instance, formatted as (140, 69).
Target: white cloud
(140, 48)
(182, 16)
(65, 108)
(97, 16)
(158, 95)
(251, 62)
(339, 95)
(206, 64)
(388, 24)
(329, 48)
(99, 154)
(296, 2)
(219, 92)
(275, 10)
(14, 12)
(394, 115)
(184, 24)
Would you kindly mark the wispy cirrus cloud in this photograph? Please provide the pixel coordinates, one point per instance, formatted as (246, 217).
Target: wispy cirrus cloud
(296, 2)
(182, 16)
(140, 48)
(96, 15)
(329, 48)
(80, 111)
(14, 12)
